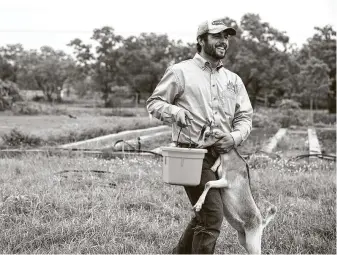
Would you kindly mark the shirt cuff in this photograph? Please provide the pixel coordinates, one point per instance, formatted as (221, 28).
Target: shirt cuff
(174, 110)
(236, 137)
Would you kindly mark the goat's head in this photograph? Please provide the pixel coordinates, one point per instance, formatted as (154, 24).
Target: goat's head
(209, 135)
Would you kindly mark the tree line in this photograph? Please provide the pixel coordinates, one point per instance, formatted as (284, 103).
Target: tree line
(270, 66)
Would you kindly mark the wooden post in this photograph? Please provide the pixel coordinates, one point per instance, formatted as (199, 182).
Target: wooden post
(311, 113)
(314, 146)
(136, 104)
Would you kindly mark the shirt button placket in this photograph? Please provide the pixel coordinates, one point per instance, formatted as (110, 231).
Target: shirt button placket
(215, 101)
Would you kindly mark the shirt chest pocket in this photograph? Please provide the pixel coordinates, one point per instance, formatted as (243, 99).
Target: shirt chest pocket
(228, 102)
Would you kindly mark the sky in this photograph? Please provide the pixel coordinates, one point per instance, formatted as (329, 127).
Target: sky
(35, 23)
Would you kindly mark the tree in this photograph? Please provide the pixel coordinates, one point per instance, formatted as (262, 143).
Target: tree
(315, 81)
(9, 94)
(323, 46)
(82, 72)
(49, 69)
(144, 61)
(106, 70)
(9, 59)
(261, 57)
(178, 51)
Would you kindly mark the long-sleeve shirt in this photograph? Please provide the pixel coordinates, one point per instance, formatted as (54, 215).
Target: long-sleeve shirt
(209, 94)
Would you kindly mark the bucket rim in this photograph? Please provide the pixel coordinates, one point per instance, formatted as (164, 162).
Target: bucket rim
(178, 149)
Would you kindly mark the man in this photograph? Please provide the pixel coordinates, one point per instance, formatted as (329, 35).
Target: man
(191, 94)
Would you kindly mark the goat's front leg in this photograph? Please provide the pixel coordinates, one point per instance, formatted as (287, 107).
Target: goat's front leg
(216, 165)
(221, 183)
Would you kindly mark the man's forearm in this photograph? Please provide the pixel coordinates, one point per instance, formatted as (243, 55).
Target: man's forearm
(160, 103)
(162, 110)
(241, 133)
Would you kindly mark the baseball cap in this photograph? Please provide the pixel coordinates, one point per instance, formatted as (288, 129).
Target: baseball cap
(214, 27)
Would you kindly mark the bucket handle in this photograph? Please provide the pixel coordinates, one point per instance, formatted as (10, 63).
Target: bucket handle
(189, 133)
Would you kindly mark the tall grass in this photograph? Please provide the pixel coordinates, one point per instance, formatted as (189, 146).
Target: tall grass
(128, 209)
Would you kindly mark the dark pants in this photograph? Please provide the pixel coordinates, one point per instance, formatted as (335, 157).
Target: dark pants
(203, 230)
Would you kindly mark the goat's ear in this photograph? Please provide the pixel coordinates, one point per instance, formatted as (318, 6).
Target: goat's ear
(202, 131)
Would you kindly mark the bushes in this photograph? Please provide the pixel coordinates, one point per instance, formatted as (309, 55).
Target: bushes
(32, 108)
(9, 93)
(262, 120)
(324, 118)
(327, 140)
(124, 112)
(289, 114)
(26, 108)
(17, 138)
(113, 102)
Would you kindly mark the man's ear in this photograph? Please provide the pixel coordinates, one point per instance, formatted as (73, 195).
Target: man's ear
(200, 41)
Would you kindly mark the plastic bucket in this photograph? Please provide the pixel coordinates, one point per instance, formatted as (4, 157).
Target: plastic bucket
(182, 166)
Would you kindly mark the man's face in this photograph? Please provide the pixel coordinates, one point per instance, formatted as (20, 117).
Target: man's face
(215, 45)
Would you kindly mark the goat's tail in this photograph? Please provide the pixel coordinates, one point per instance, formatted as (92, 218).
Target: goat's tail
(271, 212)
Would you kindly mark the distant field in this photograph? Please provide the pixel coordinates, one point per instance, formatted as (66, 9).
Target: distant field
(47, 125)
(51, 124)
(62, 129)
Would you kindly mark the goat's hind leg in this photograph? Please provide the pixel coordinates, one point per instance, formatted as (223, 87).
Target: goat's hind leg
(250, 238)
(242, 214)
(253, 240)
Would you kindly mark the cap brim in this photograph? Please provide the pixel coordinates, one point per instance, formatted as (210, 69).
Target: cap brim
(229, 30)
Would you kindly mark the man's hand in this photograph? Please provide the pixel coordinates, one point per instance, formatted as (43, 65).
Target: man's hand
(183, 118)
(225, 144)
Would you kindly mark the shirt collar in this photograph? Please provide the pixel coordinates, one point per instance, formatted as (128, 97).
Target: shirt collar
(203, 63)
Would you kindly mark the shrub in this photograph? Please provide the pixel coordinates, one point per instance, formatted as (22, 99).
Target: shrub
(17, 138)
(327, 140)
(121, 112)
(287, 104)
(324, 118)
(113, 102)
(289, 114)
(38, 98)
(9, 93)
(33, 108)
(262, 120)
(26, 108)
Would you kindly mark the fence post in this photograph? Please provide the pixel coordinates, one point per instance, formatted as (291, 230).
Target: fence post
(136, 104)
(311, 113)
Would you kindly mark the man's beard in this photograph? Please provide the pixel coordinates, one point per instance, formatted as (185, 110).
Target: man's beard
(211, 50)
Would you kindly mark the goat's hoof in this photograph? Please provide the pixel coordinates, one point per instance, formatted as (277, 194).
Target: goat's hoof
(197, 207)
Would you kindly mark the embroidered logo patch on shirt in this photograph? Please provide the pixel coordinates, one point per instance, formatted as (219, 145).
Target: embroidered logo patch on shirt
(232, 87)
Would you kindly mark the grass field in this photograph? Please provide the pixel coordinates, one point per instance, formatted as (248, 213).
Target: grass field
(87, 205)
(129, 209)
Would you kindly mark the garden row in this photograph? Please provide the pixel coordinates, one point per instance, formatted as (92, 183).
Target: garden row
(283, 142)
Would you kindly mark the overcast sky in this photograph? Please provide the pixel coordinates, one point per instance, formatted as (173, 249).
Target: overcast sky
(35, 23)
